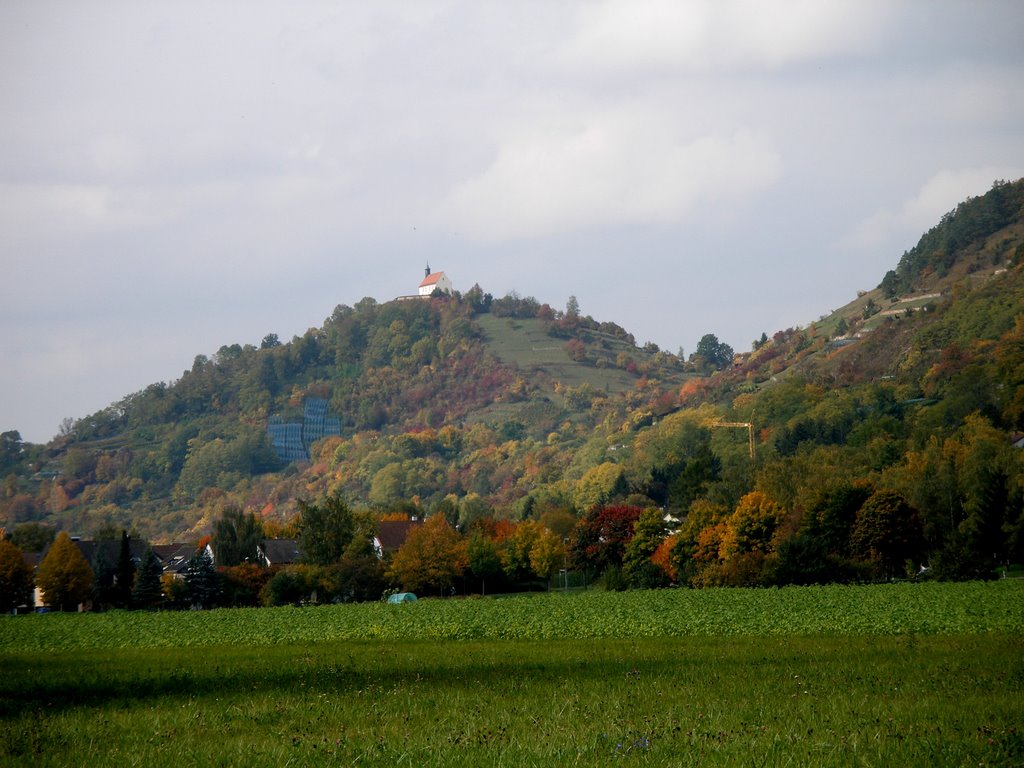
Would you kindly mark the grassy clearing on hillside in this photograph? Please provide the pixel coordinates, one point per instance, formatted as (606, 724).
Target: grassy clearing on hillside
(524, 343)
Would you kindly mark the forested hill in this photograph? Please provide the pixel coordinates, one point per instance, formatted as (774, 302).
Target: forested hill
(482, 407)
(466, 370)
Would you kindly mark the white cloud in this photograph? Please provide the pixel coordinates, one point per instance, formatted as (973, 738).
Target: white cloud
(615, 169)
(937, 196)
(710, 35)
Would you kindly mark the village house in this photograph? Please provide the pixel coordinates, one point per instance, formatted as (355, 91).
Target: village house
(391, 535)
(279, 552)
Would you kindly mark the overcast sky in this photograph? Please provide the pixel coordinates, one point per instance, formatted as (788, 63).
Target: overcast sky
(179, 176)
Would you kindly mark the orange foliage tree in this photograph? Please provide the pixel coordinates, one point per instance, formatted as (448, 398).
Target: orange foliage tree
(64, 575)
(432, 558)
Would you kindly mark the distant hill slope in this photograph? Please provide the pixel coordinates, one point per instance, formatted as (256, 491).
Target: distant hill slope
(476, 406)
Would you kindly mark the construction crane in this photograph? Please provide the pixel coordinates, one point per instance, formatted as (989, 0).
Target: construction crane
(748, 425)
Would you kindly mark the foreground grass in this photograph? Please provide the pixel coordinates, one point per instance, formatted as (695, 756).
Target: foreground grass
(892, 675)
(942, 700)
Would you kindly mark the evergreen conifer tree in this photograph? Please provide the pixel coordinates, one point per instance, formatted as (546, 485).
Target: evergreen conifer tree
(202, 580)
(147, 591)
(124, 575)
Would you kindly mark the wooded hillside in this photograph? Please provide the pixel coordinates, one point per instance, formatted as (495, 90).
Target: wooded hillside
(891, 419)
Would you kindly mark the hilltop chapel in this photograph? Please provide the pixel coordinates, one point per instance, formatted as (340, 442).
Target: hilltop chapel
(435, 281)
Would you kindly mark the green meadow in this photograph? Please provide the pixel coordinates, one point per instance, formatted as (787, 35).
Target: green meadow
(928, 674)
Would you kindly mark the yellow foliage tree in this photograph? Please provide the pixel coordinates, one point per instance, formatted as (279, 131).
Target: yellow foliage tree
(751, 526)
(599, 485)
(432, 557)
(547, 554)
(64, 575)
(15, 577)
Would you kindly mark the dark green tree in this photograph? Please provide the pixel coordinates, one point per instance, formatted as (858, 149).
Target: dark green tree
(832, 514)
(32, 537)
(890, 284)
(103, 580)
(292, 586)
(699, 471)
(572, 308)
(236, 538)
(124, 573)
(484, 560)
(326, 529)
(202, 580)
(887, 532)
(147, 592)
(12, 450)
(712, 354)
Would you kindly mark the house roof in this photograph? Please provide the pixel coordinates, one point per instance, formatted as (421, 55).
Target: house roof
(392, 533)
(431, 279)
(111, 549)
(281, 551)
(174, 557)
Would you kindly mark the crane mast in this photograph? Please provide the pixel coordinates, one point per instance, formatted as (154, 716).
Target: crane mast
(748, 425)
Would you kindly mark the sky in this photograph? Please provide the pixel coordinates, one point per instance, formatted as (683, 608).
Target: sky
(177, 176)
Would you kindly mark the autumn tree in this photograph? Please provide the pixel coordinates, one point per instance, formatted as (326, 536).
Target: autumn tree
(648, 533)
(662, 558)
(600, 485)
(65, 577)
(547, 555)
(598, 541)
(515, 553)
(432, 557)
(752, 525)
(16, 581)
(294, 585)
(242, 584)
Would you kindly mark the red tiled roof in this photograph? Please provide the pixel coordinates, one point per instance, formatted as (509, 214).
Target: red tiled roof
(431, 279)
(393, 533)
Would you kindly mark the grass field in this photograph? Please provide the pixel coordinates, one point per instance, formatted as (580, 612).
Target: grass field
(117, 689)
(526, 344)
